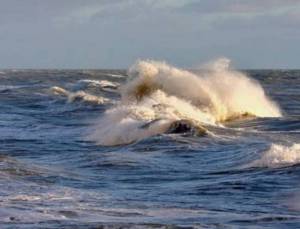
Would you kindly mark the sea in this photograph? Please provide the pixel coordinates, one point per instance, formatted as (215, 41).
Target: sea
(152, 146)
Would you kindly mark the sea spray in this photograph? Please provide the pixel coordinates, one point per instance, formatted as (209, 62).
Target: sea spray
(158, 91)
(220, 91)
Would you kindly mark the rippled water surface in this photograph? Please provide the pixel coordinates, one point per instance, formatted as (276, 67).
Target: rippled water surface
(243, 175)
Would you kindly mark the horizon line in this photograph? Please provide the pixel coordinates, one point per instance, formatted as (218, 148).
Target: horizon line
(122, 69)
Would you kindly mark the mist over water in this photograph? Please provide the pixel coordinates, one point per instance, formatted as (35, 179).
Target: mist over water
(92, 148)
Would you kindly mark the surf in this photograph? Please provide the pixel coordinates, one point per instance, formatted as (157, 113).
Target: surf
(158, 91)
(279, 156)
(79, 96)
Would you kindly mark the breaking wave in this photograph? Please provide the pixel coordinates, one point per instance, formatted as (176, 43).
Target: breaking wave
(279, 156)
(104, 85)
(160, 94)
(79, 96)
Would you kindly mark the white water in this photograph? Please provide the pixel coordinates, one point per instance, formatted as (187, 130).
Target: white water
(279, 156)
(103, 84)
(79, 95)
(157, 91)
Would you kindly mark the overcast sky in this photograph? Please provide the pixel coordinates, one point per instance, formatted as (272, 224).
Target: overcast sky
(115, 33)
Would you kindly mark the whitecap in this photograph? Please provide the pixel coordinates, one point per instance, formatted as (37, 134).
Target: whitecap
(79, 95)
(100, 83)
(279, 156)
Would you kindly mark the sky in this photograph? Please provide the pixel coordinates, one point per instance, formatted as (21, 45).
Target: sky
(116, 33)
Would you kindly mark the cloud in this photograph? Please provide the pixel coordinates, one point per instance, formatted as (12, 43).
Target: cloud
(81, 15)
(118, 9)
(113, 33)
(238, 14)
(238, 6)
(204, 14)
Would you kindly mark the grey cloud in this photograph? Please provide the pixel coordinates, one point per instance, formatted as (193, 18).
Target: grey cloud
(107, 33)
(237, 6)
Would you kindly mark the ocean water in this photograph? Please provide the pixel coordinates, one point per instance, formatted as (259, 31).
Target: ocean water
(94, 148)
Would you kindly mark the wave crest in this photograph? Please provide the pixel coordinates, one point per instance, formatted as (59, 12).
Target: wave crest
(279, 156)
(79, 95)
(104, 85)
(220, 92)
(157, 91)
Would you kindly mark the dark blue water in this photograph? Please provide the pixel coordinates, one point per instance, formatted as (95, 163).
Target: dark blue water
(51, 176)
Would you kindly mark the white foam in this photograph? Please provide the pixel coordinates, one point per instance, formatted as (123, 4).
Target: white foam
(24, 198)
(221, 92)
(116, 75)
(100, 83)
(79, 95)
(156, 90)
(279, 156)
(121, 125)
